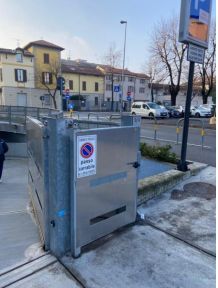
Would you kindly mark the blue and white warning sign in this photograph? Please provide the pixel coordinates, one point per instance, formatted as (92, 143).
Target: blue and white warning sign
(86, 155)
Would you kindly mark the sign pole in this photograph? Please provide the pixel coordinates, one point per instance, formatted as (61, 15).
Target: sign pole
(182, 165)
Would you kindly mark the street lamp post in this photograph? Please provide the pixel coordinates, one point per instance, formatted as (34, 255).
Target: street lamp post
(124, 52)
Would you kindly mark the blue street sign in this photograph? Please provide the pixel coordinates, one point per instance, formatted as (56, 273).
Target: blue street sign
(117, 88)
(70, 106)
(197, 6)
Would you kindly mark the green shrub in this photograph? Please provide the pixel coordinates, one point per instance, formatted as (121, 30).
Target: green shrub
(161, 153)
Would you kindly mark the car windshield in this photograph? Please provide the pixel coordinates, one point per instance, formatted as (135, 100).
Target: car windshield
(203, 108)
(153, 106)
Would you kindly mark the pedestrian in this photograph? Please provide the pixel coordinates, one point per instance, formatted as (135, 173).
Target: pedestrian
(3, 150)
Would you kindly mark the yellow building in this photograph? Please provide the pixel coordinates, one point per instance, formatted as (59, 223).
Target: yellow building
(47, 67)
(28, 76)
(16, 77)
(84, 83)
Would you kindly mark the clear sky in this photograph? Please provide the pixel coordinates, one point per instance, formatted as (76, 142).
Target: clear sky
(85, 28)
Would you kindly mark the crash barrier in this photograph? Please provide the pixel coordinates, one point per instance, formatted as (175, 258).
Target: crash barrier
(18, 114)
(82, 179)
(202, 131)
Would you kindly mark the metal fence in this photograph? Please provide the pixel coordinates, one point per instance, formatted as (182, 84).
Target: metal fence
(19, 114)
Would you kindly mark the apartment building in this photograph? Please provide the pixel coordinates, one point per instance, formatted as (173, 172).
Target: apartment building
(161, 94)
(47, 67)
(135, 85)
(84, 84)
(28, 77)
(16, 77)
(27, 74)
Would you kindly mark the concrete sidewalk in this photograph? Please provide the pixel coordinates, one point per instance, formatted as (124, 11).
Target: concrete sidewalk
(19, 240)
(163, 250)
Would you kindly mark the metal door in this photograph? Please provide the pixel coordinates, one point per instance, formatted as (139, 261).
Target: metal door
(104, 182)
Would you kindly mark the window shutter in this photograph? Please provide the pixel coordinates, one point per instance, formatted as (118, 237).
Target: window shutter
(50, 78)
(43, 77)
(24, 76)
(15, 70)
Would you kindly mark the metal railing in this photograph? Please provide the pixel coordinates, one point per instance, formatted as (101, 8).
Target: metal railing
(195, 120)
(18, 114)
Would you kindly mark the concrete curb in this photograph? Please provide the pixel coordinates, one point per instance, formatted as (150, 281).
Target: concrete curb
(153, 186)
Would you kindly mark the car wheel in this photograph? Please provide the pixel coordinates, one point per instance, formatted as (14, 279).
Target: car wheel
(133, 113)
(197, 115)
(151, 115)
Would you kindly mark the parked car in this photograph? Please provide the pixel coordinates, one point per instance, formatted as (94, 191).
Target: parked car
(212, 108)
(173, 112)
(165, 110)
(180, 109)
(148, 109)
(200, 111)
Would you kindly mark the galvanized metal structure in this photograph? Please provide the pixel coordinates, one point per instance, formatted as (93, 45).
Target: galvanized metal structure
(83, 179)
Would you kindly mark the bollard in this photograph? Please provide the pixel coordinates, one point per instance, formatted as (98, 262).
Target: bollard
(177, 135)
(155, 131)
(202, 138)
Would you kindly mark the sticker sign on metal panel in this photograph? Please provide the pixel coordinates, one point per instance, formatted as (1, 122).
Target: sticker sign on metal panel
(86, 155)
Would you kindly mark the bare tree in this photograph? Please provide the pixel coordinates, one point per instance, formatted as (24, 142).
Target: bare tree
(150, 68)
(207, 71)
(50, 83)
(113, 59)
(169, 55)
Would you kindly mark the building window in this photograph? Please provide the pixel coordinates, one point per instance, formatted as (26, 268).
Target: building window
(130, 89)
(20, 75)
(142, 81)
(19, 57)
(108, 77)
(130, 79)
(84, 85)
(46, 58)
(71, 84)
(46, 78)
(141, 90)
(108, 87)
(96, 101)
(96, 86)
(1, 76)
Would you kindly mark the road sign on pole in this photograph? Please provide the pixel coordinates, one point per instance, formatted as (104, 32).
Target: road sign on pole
(194, 30)
(195, 54)
(195, 21)
(116, 88)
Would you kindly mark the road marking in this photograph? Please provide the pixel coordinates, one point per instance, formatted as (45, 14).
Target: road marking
(172, 141)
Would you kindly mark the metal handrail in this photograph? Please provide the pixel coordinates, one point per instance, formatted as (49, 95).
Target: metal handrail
(191, 119)
(20, 113)
(114, 116)
(93, 114)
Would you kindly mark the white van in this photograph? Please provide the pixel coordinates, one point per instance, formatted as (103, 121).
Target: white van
(148, 109)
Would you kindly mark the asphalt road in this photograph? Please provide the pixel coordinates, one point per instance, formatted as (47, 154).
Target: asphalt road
(166, 134)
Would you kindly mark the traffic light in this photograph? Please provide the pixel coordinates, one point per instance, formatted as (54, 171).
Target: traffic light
(60, 83)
